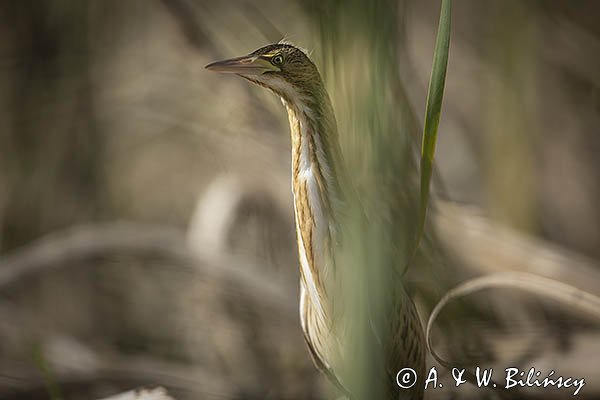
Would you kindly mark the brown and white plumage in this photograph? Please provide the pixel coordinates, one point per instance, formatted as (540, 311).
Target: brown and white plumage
(321, 192)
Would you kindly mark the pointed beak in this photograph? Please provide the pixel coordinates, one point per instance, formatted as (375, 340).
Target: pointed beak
(247, 65)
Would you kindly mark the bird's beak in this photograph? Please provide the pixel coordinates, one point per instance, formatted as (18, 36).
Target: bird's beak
(247, 65)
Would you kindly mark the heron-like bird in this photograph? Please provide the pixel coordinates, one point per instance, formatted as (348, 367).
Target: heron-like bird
(319, 186)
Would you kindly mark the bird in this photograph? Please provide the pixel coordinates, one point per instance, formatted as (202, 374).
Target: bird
(322, 192)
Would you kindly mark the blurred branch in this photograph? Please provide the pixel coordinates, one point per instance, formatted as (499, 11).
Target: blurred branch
(56, 250)
(143, 394)
(486, 247)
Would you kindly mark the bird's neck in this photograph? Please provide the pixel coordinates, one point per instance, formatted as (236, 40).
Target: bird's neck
(316, 162)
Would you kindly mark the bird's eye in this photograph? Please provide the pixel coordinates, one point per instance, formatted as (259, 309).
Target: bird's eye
(277, 60)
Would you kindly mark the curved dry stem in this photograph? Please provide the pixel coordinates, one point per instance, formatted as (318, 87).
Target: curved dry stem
(578, 299)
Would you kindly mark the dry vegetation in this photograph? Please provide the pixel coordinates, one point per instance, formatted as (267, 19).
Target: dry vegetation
(146, 226)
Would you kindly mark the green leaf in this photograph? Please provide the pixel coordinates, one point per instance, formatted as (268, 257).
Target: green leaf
(433, 111)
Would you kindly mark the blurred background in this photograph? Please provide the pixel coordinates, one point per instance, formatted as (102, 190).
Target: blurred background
(146, 222)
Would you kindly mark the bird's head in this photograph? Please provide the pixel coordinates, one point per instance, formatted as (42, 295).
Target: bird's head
(281, 67)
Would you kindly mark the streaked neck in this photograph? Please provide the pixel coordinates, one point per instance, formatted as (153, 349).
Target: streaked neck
(317, 194)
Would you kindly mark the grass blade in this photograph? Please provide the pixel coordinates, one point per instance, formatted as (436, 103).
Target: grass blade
(433, 112)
